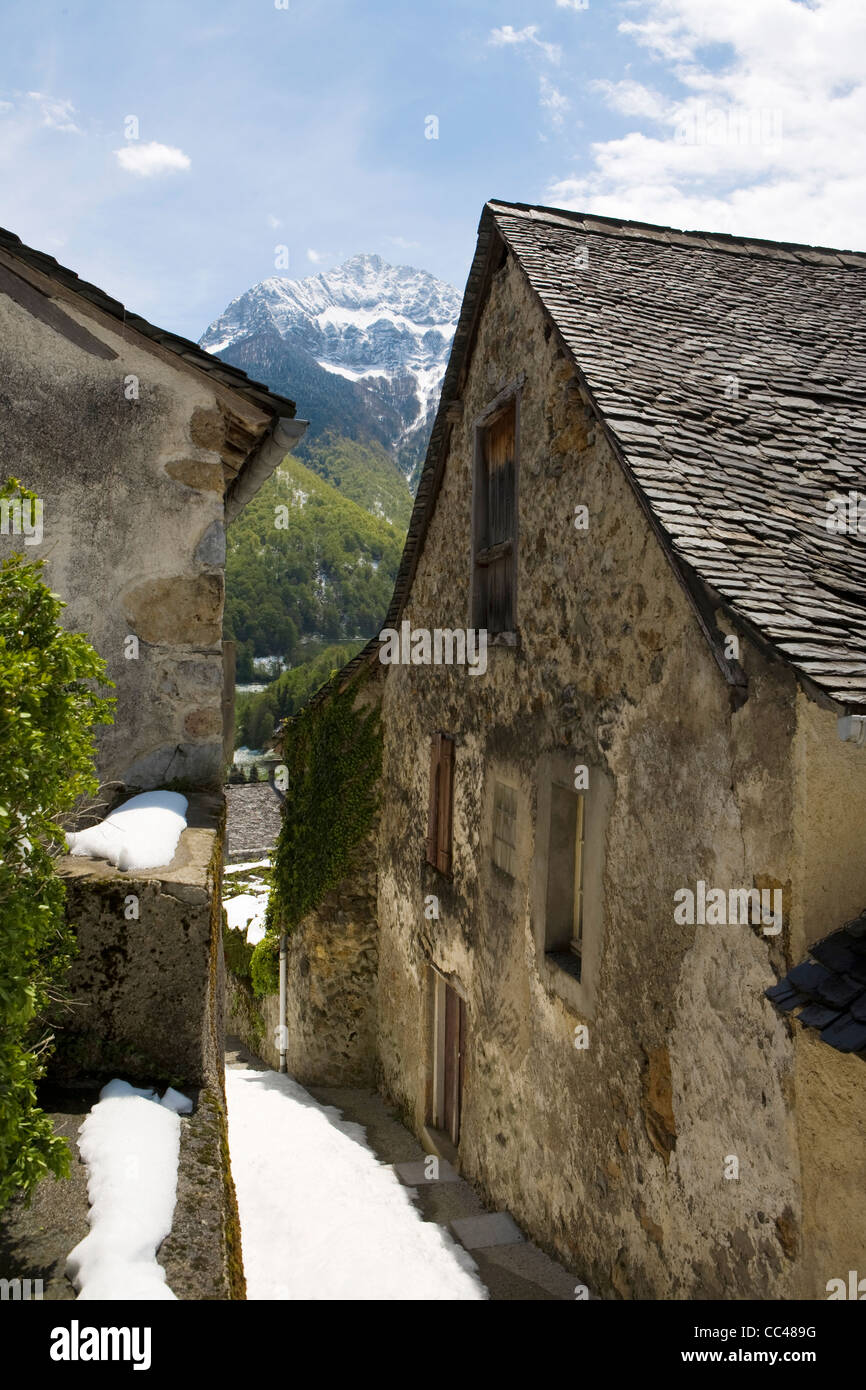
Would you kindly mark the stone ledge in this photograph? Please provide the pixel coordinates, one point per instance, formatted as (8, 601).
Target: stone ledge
(146, 993)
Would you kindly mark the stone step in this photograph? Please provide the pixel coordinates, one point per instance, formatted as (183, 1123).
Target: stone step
(480, 1232)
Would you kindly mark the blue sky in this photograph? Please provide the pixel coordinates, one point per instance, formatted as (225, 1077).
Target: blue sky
(304, 127)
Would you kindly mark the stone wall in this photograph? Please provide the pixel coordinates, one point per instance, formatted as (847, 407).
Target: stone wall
(146, 991)
(612, 1157)
(122, 443)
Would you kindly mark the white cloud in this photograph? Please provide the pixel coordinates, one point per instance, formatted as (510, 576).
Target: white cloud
(403, 243)
(572, 4)
(150, 160)
(553, 101)
(56, 114)
(4, 107)
(767, 144)
(274, 222)
(633, 99)
(528, 35)
(315, 256)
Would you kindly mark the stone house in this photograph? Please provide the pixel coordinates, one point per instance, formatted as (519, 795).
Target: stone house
(141, 449)
(602, 844)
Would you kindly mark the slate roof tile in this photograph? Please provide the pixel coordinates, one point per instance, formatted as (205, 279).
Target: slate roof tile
(830, 989)
(657, 321)
(845, 1034)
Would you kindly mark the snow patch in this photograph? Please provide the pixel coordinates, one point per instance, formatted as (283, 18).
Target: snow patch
(246, 913)
(141, 834)
(321, 1217)
(249, 864)
(131, 1146)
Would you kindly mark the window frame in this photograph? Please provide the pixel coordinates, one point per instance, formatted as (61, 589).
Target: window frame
(508, 398)
(576, 988)
(505, 785)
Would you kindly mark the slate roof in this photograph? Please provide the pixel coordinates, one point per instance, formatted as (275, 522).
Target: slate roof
(829, 990)
(660, 323)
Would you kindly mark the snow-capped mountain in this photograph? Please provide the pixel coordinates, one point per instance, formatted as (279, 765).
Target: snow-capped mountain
(383, 331)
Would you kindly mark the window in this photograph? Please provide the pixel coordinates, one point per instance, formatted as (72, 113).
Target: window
(565, 856)
(494, 557)
(568, 898)
(440, 806)
(504, 827)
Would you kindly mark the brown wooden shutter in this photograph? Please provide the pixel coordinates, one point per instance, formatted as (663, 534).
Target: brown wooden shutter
(433, 803)
(440, 802)
(499, 453)
(446, 801)
(495, 555)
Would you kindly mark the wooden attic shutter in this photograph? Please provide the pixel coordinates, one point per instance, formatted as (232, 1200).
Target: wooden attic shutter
(495, 553)
(439, 813)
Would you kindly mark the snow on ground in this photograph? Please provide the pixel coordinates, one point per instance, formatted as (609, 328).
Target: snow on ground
(321, 1217)
(246, 913)
(246, 903)
(141, 834)
(245, 867)
(130, 1142)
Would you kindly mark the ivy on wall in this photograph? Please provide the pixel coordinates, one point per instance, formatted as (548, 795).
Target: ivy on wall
(265, 967)
(333, 753)
(237, 952)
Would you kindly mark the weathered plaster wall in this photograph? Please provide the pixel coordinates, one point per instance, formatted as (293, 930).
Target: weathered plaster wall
(132, 491)
(613, 1156)
(830, 815)
(830, 1087)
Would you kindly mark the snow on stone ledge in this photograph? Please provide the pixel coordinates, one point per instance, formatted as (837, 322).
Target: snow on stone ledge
(141, 834)
(130, 1142)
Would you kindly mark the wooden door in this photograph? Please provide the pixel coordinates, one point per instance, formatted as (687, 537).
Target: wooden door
(453, 1060)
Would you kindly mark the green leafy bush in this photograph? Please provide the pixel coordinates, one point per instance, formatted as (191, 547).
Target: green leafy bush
(265, 966)
(47, 716)
(237, 952)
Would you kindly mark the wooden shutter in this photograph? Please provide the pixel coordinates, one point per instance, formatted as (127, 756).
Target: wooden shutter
(499, 458)
(446, 802)
(495, 556)
(433, 802)
(440, 802)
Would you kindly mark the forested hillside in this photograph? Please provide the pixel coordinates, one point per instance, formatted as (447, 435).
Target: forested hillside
(257, 713)
(365, 472)
(306, 561)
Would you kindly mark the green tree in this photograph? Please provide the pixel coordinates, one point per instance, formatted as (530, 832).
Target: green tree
(48, 712)
(285, 696)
